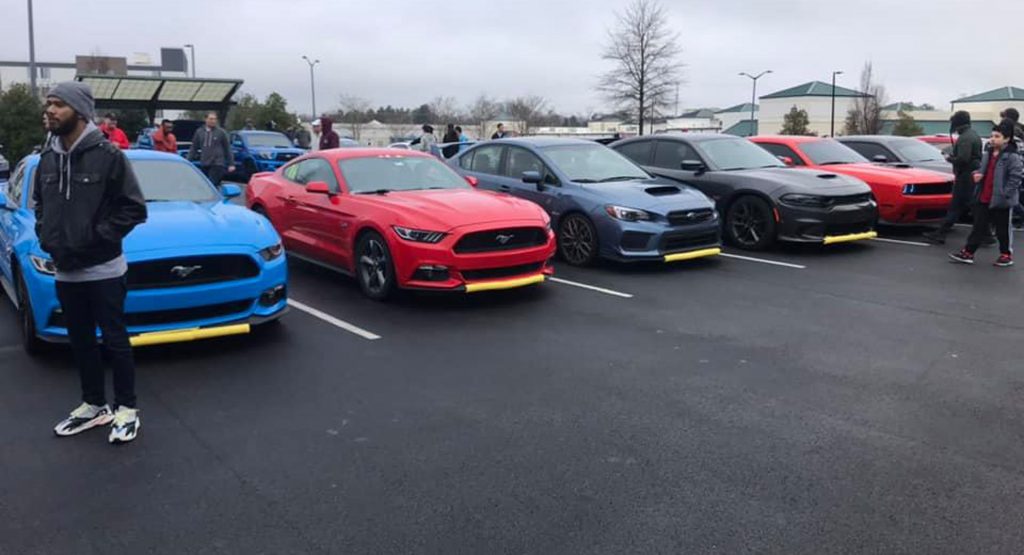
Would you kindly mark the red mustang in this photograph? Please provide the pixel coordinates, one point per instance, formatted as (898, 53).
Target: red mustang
(403, 219)
(904, 195)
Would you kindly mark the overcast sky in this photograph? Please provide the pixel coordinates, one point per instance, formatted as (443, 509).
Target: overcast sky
(405, 52)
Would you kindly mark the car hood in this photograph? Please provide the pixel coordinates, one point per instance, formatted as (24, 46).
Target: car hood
(798, 180)
(656, 195)
(172, 225)
(277, 150)
(887, 175)
(444, 210)
(940, 166)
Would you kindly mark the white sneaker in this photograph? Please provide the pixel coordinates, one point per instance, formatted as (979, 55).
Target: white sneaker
(83, 418)
(126, 425)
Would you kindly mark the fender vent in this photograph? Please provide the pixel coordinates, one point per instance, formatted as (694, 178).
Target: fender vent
(662, 191)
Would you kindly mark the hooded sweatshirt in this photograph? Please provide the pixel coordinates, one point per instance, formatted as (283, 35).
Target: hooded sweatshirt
(86, 200)
(328, 137)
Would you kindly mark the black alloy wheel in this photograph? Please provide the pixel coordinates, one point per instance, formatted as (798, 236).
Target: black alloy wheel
(750, 224)
(375, 270)
(577, 240)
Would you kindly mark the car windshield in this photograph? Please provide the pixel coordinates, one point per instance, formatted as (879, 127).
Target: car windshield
(171, 180)
(593, 163)
(827, 151)
(268, 140)
(381, 174)
(737, 154)
(913, 150)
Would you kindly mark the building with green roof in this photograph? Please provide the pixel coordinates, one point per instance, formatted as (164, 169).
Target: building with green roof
(815, 97)
(986, 106)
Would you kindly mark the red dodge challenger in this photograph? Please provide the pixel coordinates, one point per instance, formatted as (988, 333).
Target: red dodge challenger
(402, 219)
(904, 195)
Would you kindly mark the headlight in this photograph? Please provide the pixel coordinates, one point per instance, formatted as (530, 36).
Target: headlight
(909, 189)
(419, 235)
(43, 265)
(272, 252)
(812, 201)
(267, 155)
(626, 214)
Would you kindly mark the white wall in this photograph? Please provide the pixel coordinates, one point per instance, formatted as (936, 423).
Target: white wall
(773, 111)
(730, 119)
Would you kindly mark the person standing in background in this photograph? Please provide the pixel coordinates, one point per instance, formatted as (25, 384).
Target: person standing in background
(463, 139)
(317, 134)
(966, 159)
(450, 139)
(113, 133)
(427, 139)
(329, 137)
(210, 145)
(500, 133)
(163, 138)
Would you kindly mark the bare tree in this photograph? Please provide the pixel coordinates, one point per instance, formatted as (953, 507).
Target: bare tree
(445, 108)
(865, 118)
(645, 55)
(482, 111)
(526, 111)
(353, 113)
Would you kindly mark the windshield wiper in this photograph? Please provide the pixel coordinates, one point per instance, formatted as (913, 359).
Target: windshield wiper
(374, 192)
(620, 178)
(585, 180)
(833, 163)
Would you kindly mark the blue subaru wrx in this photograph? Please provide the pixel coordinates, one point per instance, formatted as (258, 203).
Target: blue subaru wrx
(199, 267)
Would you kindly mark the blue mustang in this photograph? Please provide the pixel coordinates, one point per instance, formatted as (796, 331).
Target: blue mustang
(199, 267)
(601, 204)
(261, 151)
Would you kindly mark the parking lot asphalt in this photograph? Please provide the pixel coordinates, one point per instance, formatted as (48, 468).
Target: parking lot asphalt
(861, 398)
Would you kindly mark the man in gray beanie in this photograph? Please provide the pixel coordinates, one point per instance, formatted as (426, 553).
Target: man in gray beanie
(87, 200)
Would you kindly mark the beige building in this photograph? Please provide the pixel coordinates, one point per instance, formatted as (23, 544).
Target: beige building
(987, 105)
(814, 97)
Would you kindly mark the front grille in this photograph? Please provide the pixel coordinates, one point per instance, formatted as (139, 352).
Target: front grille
(915, 189)
(690, 217)
(847, 229)
(635, 240)
(190, 270)
(849, 199)
(502, 240)
(508, 271)
(164, 317)
(934, 214)
(685, 241)
(285, 156)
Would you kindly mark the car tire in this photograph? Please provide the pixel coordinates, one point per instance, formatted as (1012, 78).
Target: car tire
(26, 320)
(577, 240)
(750, 223)
(375, 269)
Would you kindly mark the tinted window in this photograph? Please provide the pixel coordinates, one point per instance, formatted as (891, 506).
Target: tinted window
(593, 163)
(783, 151)
(639, 151)
(828, 151)
(670, 154)
(16, 184)
(521, 160)
(914, 150)
(267, 140)
(165, 180)
(486, 159)
(870, 150)
(737, 154)
(315, 169)
(466, 160)
(398, 173)
(292, 171)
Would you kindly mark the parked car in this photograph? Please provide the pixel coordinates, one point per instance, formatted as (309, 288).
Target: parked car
(261, 151)
(943, 142)
(762, 200)
(199, 267)
(403, 220)
(904, 195)
(898, 151)
(601, 204)
(402, 145)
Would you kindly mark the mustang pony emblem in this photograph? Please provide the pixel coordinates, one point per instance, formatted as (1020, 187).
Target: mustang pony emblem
(504, 239)
(185, 271)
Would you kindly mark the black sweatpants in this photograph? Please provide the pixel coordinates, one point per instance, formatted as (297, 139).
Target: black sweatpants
(86, 306)
(984, 219)
(963, 195)
(215, 173)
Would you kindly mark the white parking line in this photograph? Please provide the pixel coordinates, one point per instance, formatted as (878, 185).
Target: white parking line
(764, 261)
(901, 242)
(969, 226)
(591, 288)
(351, 328)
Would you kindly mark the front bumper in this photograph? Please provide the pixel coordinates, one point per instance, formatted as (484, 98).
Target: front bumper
(913, 209)
(652, 241)
(827, 226)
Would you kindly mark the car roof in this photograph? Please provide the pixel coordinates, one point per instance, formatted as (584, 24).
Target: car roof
(695, 137)
(142, 154)
(875, 138)
(792, 139)
(348, 153)
(540, 141)
(257, 132)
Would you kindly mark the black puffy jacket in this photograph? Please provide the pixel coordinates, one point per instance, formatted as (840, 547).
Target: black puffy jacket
(86, 201)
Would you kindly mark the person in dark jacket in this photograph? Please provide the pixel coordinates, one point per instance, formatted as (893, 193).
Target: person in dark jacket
(451, 138)
(87, 200)
(966, 158)
(500, 133)
(996, 191)
(1018, 143)
(211, 146)
(328, 136)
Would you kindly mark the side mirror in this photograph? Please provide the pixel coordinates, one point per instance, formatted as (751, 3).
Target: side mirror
(786, 160)
(533, 177)
(880, 158)
(693, 166)
(473, 182)
(318, 188)
(230, 190)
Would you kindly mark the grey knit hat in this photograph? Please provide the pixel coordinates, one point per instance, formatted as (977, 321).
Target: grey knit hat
(76, 94)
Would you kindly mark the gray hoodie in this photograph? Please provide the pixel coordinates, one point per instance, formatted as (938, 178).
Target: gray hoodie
(1009, 171)
(211, 148)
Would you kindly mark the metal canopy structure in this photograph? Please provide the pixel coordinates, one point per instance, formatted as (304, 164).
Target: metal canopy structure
(161, 93)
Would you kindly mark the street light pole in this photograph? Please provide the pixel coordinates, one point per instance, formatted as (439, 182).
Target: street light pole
(312, 83)
(32, 52)
(192, 49)
(832, 133)
(753, 96)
